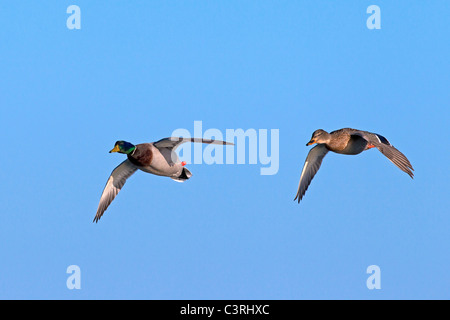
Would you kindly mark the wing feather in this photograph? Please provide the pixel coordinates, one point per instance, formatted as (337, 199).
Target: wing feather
(174, 142)
(310, 168)
(114, 184)
(386, 148)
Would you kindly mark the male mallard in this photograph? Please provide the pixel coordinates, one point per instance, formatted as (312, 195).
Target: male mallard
(346, 141)
(158, 158)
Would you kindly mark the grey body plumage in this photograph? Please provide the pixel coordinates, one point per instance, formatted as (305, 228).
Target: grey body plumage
(158, 158)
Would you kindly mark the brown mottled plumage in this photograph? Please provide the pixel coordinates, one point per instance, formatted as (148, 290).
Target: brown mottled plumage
(346, 141)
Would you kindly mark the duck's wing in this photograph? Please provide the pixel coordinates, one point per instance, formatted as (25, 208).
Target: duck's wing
(386, 148)
(174, 142)
(167, 146)
(115, 182)
(310, 168)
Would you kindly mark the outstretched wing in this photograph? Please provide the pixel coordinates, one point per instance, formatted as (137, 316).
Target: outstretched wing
(386, 148)
(167, 146)
(115, 182)
(174, 142)
(310, 168)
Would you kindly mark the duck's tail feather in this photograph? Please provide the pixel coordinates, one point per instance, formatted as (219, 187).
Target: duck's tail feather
(185, 175)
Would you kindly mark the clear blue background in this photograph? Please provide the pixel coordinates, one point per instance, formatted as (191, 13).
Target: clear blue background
(138, 70)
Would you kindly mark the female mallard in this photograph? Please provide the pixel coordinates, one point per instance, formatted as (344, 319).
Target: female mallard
(158, 158)
(346, 141)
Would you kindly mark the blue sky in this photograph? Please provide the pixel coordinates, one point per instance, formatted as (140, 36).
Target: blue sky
(138, 70)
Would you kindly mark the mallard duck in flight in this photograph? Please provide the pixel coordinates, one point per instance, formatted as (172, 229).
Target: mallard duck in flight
(158, 158)
(346, 141)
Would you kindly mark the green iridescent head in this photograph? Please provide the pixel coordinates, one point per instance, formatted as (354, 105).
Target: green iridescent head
(123, 147)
